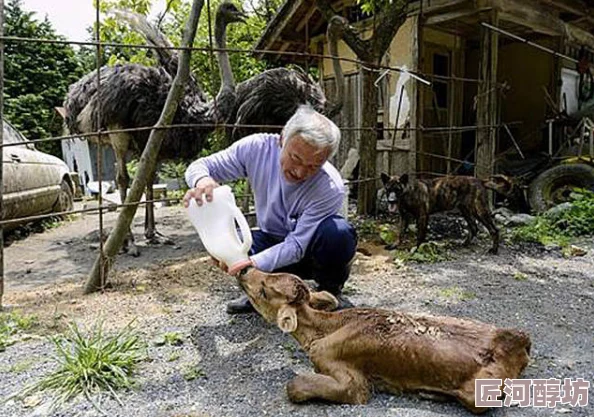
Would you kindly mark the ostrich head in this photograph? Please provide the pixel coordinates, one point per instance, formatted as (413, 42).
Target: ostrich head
(229, 13)
(337, 25)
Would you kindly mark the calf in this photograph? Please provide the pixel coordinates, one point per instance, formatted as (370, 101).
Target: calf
(355, 350)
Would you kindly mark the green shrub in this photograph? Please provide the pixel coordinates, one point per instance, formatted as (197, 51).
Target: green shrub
(559, 227)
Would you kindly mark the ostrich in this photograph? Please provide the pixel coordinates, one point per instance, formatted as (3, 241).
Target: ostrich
(133, 95)
(271, 97)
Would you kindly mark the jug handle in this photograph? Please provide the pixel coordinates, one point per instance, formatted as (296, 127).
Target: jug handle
(246, 233)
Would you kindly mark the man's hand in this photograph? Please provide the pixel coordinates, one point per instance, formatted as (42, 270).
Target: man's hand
(204, 186)
(234, 269)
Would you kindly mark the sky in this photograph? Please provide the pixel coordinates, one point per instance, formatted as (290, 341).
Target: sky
(71, 17)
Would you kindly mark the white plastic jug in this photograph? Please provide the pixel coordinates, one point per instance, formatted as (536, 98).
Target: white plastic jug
(215, 223)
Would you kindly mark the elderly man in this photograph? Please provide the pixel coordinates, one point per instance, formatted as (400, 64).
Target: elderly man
(298, 195)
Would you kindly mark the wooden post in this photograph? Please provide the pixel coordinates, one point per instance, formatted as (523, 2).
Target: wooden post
(148, 158)
(416, 106)
(1, 149)
(487, 101)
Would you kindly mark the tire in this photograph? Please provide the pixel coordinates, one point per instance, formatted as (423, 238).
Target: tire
(553, 186)
(65, 201)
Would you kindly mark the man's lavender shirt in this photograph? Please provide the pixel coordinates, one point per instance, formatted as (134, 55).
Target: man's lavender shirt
(288, 211)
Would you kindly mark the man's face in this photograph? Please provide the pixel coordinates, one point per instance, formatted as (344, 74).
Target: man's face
(301, 160)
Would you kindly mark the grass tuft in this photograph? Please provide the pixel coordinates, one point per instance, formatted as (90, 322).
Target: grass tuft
(90, 364)
(11, 324)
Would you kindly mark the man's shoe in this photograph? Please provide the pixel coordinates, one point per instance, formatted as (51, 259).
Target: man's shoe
(343, 302)
(240, 305)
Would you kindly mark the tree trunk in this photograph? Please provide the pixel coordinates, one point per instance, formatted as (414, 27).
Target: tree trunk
(148, 158)
(386, 22)
(367, 147)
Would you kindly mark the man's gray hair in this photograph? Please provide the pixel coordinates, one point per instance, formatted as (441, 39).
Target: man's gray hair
(314, 128)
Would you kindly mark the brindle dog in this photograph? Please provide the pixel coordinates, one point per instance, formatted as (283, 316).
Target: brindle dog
(417, 199)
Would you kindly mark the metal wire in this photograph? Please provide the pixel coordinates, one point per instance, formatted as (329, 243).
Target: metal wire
(225, 125)
(376, 67)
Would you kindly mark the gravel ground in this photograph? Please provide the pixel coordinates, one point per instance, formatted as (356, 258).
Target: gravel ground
(242, 364)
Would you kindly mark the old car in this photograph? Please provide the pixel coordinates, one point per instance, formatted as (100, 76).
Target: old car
(33, 182)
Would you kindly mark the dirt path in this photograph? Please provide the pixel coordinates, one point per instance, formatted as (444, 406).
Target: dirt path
(69, 251)
(238, 366)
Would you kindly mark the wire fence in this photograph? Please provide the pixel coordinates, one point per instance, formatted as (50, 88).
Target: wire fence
(424, 80)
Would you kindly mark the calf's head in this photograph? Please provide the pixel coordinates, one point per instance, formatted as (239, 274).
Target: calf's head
(279, 297)
(394, 187)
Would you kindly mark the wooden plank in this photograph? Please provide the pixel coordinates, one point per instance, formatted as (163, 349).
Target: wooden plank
(456, 15)
(528, 13)
(306, 18)
(399, 145)
(274, 28)
(487, 100)
(576, 7)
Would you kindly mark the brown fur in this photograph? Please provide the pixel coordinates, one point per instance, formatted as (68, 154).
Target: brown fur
(417, 199)
(357, 350)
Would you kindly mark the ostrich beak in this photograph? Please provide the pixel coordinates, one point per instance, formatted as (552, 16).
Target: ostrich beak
(240, 16)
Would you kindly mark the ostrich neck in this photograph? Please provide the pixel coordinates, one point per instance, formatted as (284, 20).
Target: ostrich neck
(339, 76)
(225, 72)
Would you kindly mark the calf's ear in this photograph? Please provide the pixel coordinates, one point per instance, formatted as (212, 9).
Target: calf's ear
(385, 178)
(323, 300)
(286, 319)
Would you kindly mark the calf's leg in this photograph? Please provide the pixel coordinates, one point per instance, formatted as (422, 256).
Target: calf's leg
(346, 387)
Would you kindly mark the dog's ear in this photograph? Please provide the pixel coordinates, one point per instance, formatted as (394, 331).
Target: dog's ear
(385, 178)
(323, 300)
(403, 179)
(286, 319)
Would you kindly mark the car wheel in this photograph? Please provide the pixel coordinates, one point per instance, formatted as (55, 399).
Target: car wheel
(65, 201)
(555, 185)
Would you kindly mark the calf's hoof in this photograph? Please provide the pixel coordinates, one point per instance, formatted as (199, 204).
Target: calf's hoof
(294, 392)
(493, 251)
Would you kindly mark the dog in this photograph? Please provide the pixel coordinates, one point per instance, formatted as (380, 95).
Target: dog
(417, 199)
(358, 351)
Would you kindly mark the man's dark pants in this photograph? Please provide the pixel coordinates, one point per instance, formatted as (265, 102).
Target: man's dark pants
(328, 258)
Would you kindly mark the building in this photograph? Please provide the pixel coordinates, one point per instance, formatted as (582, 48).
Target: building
(508, 78)
(81, 156)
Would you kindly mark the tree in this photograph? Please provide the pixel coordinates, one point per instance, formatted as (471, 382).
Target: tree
(37, 76)
(96, 280)
(171, 21)
(387, 17)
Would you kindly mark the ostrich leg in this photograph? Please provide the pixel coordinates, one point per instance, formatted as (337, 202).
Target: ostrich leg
(150, 231)
(120, 143)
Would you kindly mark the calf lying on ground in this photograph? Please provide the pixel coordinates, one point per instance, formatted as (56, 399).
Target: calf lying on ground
(356, 349)
(417, 199)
